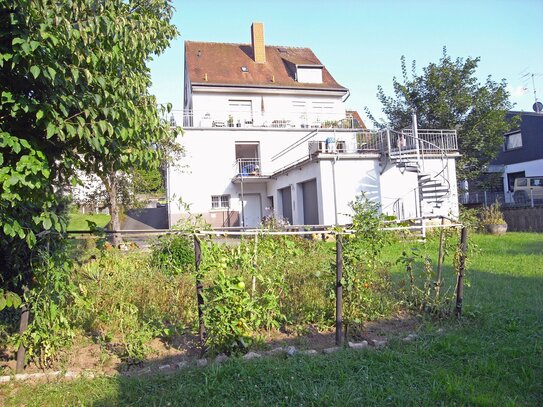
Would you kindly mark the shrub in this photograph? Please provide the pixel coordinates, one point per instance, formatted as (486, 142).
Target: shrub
(492, 215)
(173, 254)
(230, 315)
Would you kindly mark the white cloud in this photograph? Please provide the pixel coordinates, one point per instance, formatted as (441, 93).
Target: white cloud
(517, 91)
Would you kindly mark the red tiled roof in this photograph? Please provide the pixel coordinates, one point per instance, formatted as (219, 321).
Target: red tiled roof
(358, 122)
(220, 63)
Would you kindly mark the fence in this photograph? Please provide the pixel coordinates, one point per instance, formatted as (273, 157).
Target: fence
(338, 235)
(524, 219)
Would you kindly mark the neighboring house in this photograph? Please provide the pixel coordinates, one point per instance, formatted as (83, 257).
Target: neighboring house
(266, 133)
(522, 152)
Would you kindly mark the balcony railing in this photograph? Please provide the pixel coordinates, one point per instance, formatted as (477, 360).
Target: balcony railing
(239, 119)
(248, 167)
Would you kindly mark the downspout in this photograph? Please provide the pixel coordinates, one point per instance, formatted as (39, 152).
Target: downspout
(334, 180)
(346, 96)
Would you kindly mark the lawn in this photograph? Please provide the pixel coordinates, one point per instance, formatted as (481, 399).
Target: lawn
(494, 356)
(78, 221)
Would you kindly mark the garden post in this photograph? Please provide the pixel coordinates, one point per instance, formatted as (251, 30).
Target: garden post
(199, 287)
(23, 325)
(461, 267)
(440, 257)
(339, 290)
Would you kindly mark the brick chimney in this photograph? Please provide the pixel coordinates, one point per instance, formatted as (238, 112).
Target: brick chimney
(257, 40)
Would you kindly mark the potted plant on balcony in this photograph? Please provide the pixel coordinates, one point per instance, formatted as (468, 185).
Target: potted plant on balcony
(492, 219)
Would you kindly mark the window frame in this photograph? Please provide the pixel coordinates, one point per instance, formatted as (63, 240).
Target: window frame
(508, 137)
(219, 201)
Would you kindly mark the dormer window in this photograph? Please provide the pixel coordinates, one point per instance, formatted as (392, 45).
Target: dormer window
(309, 73)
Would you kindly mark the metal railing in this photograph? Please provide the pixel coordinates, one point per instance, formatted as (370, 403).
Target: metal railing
(244, 119)
(432, 140)
(248, 167)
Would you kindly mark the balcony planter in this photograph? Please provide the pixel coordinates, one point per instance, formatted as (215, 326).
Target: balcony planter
(496, 229)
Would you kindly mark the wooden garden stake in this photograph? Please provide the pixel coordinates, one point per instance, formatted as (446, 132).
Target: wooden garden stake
(23, 325)
(440, 258)
(339, 290)
(253, 282)
(461, 267)
(199, 288)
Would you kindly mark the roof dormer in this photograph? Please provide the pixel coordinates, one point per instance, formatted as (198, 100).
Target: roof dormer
(306, 73)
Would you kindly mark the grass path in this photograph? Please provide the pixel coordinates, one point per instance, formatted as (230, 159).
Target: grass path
(493, 357)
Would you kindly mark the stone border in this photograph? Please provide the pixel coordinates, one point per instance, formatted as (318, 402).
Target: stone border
(289, 351)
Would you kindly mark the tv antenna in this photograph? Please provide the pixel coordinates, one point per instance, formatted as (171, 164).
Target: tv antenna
(537, 106)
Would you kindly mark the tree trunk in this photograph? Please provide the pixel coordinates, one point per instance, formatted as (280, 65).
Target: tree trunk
(111, 184)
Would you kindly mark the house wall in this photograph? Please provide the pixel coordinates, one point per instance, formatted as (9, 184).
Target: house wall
(209, 165)
(397, 184)
(267, 107)
(531, 168)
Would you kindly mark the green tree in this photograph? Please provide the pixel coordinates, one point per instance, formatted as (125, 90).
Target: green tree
(447, 95)
(74, 98)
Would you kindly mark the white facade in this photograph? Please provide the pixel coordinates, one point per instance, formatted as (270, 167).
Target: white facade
(266, 133)
(297, 176)
(532, 168)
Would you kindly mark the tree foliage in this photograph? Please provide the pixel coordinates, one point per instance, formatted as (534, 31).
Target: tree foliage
(447, 95)
(74, 98)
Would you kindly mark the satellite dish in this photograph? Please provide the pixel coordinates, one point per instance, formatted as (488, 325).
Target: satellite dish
(538, 107)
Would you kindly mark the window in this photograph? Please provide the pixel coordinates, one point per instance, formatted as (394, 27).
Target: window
(536, 182)
(513, 141)
(220, 201)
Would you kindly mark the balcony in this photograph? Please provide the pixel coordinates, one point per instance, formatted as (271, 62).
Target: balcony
(277, 120)
(248, 170)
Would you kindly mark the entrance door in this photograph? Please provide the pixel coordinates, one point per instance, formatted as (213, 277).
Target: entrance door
(286, 201)
(252, 210)
(311, 206)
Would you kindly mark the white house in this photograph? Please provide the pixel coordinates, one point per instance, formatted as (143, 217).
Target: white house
(267, 133)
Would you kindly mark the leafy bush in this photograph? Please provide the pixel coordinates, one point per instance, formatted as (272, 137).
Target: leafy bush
(129, 302)
(230, 315)
(366, 282)
(492, 215)
(49, 331)
(173, 254)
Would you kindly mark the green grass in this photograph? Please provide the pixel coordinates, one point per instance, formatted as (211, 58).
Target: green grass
(494, 356)
(78, 221)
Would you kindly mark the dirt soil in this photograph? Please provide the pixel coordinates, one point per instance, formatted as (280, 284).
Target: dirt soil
(102, 360)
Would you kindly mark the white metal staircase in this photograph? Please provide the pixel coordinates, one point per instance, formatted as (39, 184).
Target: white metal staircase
(409, 151)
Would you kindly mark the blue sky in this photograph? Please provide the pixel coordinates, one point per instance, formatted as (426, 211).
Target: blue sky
(361, 42)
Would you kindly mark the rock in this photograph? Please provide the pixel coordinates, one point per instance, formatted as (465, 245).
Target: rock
(378, 343)
(358, 345)
(5, 379)
(251, 355)
(70, 375)
(309, 352)
(201, 362)
(27, 376)
(410, 337)
(146, 370)
(331, 350)
(291, 351)
(164, 367)
(181, 365)
(221, 358)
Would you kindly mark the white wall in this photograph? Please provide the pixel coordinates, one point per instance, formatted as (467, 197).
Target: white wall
(208, 165)
(352, 177)
(277, 106)
(531, 168)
